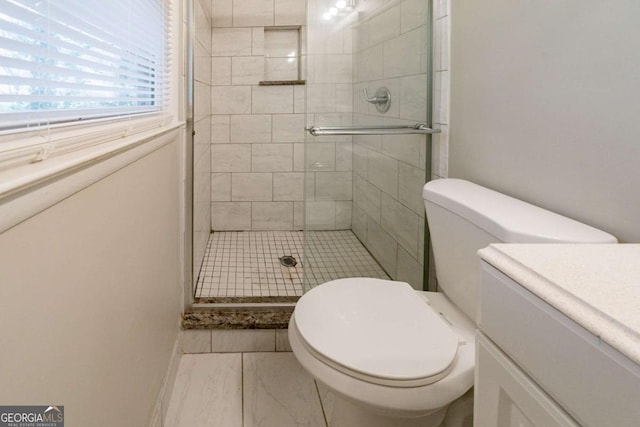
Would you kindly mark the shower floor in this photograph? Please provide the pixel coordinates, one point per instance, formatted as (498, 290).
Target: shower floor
(247, 263)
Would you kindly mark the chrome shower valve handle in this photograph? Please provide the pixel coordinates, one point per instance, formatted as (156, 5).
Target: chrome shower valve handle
(382, 99)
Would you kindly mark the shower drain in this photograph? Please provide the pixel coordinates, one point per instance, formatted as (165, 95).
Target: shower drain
(288, 261)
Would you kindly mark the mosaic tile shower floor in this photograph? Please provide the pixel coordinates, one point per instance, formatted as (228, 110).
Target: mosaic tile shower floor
(247, 263)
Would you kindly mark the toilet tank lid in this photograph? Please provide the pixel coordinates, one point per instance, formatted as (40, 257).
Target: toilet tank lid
(509, 220)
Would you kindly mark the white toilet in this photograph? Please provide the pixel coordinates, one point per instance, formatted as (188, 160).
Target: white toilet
(397, 357)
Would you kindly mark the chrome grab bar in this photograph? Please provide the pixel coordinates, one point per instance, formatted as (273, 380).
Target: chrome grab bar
(418, 128)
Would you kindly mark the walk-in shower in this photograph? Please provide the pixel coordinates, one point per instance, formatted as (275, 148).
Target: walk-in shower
(312, 143)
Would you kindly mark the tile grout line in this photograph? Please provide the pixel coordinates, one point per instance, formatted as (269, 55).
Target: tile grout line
(324, 414)
(242, 386)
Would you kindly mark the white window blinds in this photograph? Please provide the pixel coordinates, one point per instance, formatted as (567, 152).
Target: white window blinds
(73, 60)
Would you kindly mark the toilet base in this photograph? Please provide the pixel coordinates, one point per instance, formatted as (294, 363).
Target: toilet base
(348, 414)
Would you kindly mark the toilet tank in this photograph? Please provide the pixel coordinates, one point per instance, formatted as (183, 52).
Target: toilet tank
(464, 217)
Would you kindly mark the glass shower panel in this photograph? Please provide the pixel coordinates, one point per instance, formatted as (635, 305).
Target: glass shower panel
(364, 214)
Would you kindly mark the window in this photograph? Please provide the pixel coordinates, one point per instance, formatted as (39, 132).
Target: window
(74, 60)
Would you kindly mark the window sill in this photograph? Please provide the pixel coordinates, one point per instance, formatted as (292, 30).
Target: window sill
(28, 189)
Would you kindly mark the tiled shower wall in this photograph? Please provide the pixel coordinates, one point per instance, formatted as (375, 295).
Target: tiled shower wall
(441, 42)
(257, 132)
(329, 179)
(390, 50)
(202, 127)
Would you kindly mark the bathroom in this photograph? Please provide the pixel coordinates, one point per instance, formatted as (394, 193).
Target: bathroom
(99, 246)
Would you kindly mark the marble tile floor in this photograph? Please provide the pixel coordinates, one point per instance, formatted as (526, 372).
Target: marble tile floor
(258, 389)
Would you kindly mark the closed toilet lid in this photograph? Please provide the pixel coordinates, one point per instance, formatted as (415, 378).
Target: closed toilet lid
(380, 329)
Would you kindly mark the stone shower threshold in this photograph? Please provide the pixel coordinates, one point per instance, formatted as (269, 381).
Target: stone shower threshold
(237, 319)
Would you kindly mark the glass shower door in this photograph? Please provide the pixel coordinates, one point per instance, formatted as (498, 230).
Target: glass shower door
(363, 209)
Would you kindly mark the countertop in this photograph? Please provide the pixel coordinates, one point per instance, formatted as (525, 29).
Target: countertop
(595, 285)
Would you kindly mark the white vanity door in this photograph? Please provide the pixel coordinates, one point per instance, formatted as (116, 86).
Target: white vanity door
(507, 397)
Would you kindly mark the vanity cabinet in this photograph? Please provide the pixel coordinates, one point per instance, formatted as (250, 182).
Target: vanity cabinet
(537, 367)
(507, 397)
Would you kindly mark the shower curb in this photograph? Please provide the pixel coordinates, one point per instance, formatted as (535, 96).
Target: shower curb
(237, 319)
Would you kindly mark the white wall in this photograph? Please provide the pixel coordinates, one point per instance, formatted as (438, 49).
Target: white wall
(90, 296)
(545, 105)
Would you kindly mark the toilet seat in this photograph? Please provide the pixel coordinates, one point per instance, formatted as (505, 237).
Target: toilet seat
(380, 331)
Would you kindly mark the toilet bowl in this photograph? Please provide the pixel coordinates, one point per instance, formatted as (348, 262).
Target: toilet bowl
(394, 356)
(370, 350)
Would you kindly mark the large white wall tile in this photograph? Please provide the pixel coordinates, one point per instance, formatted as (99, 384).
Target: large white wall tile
(298, 157)
(231, 99)
(413, 98)
(279, 43)
(247, 70)
(202, 104)
(230, 158)
(257, 41)
(272, 216)
(298, 215)
(202, 68)
(230, 216)
(386, 25)
(249, 187)
(414, 14)
(220, 71)
(288, 128)
(272, 99)
(333, 186)
(231, 42)
(321, 98)
(220, 127)
(221, 187)
(299, 99)
(409, 270)
(288, 186)
(367, 197)
(321, 215)
(280, 69)
(382, 246)
(369, 62)
(272, 157)
(411, 181)
(404, 147)
(343, 215)
(440, 159)
(360, 160)
(221, 13)
(344, 98)
(251, 128)
(402, 223)
(290, 12)
(383, 172)
(344, 156)
(320, 156)
(441, 97)
(252, 13)
(359, 223)
(402, 55)
(332, 69)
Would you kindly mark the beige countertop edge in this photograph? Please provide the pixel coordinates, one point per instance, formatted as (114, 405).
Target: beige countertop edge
(577, 308)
